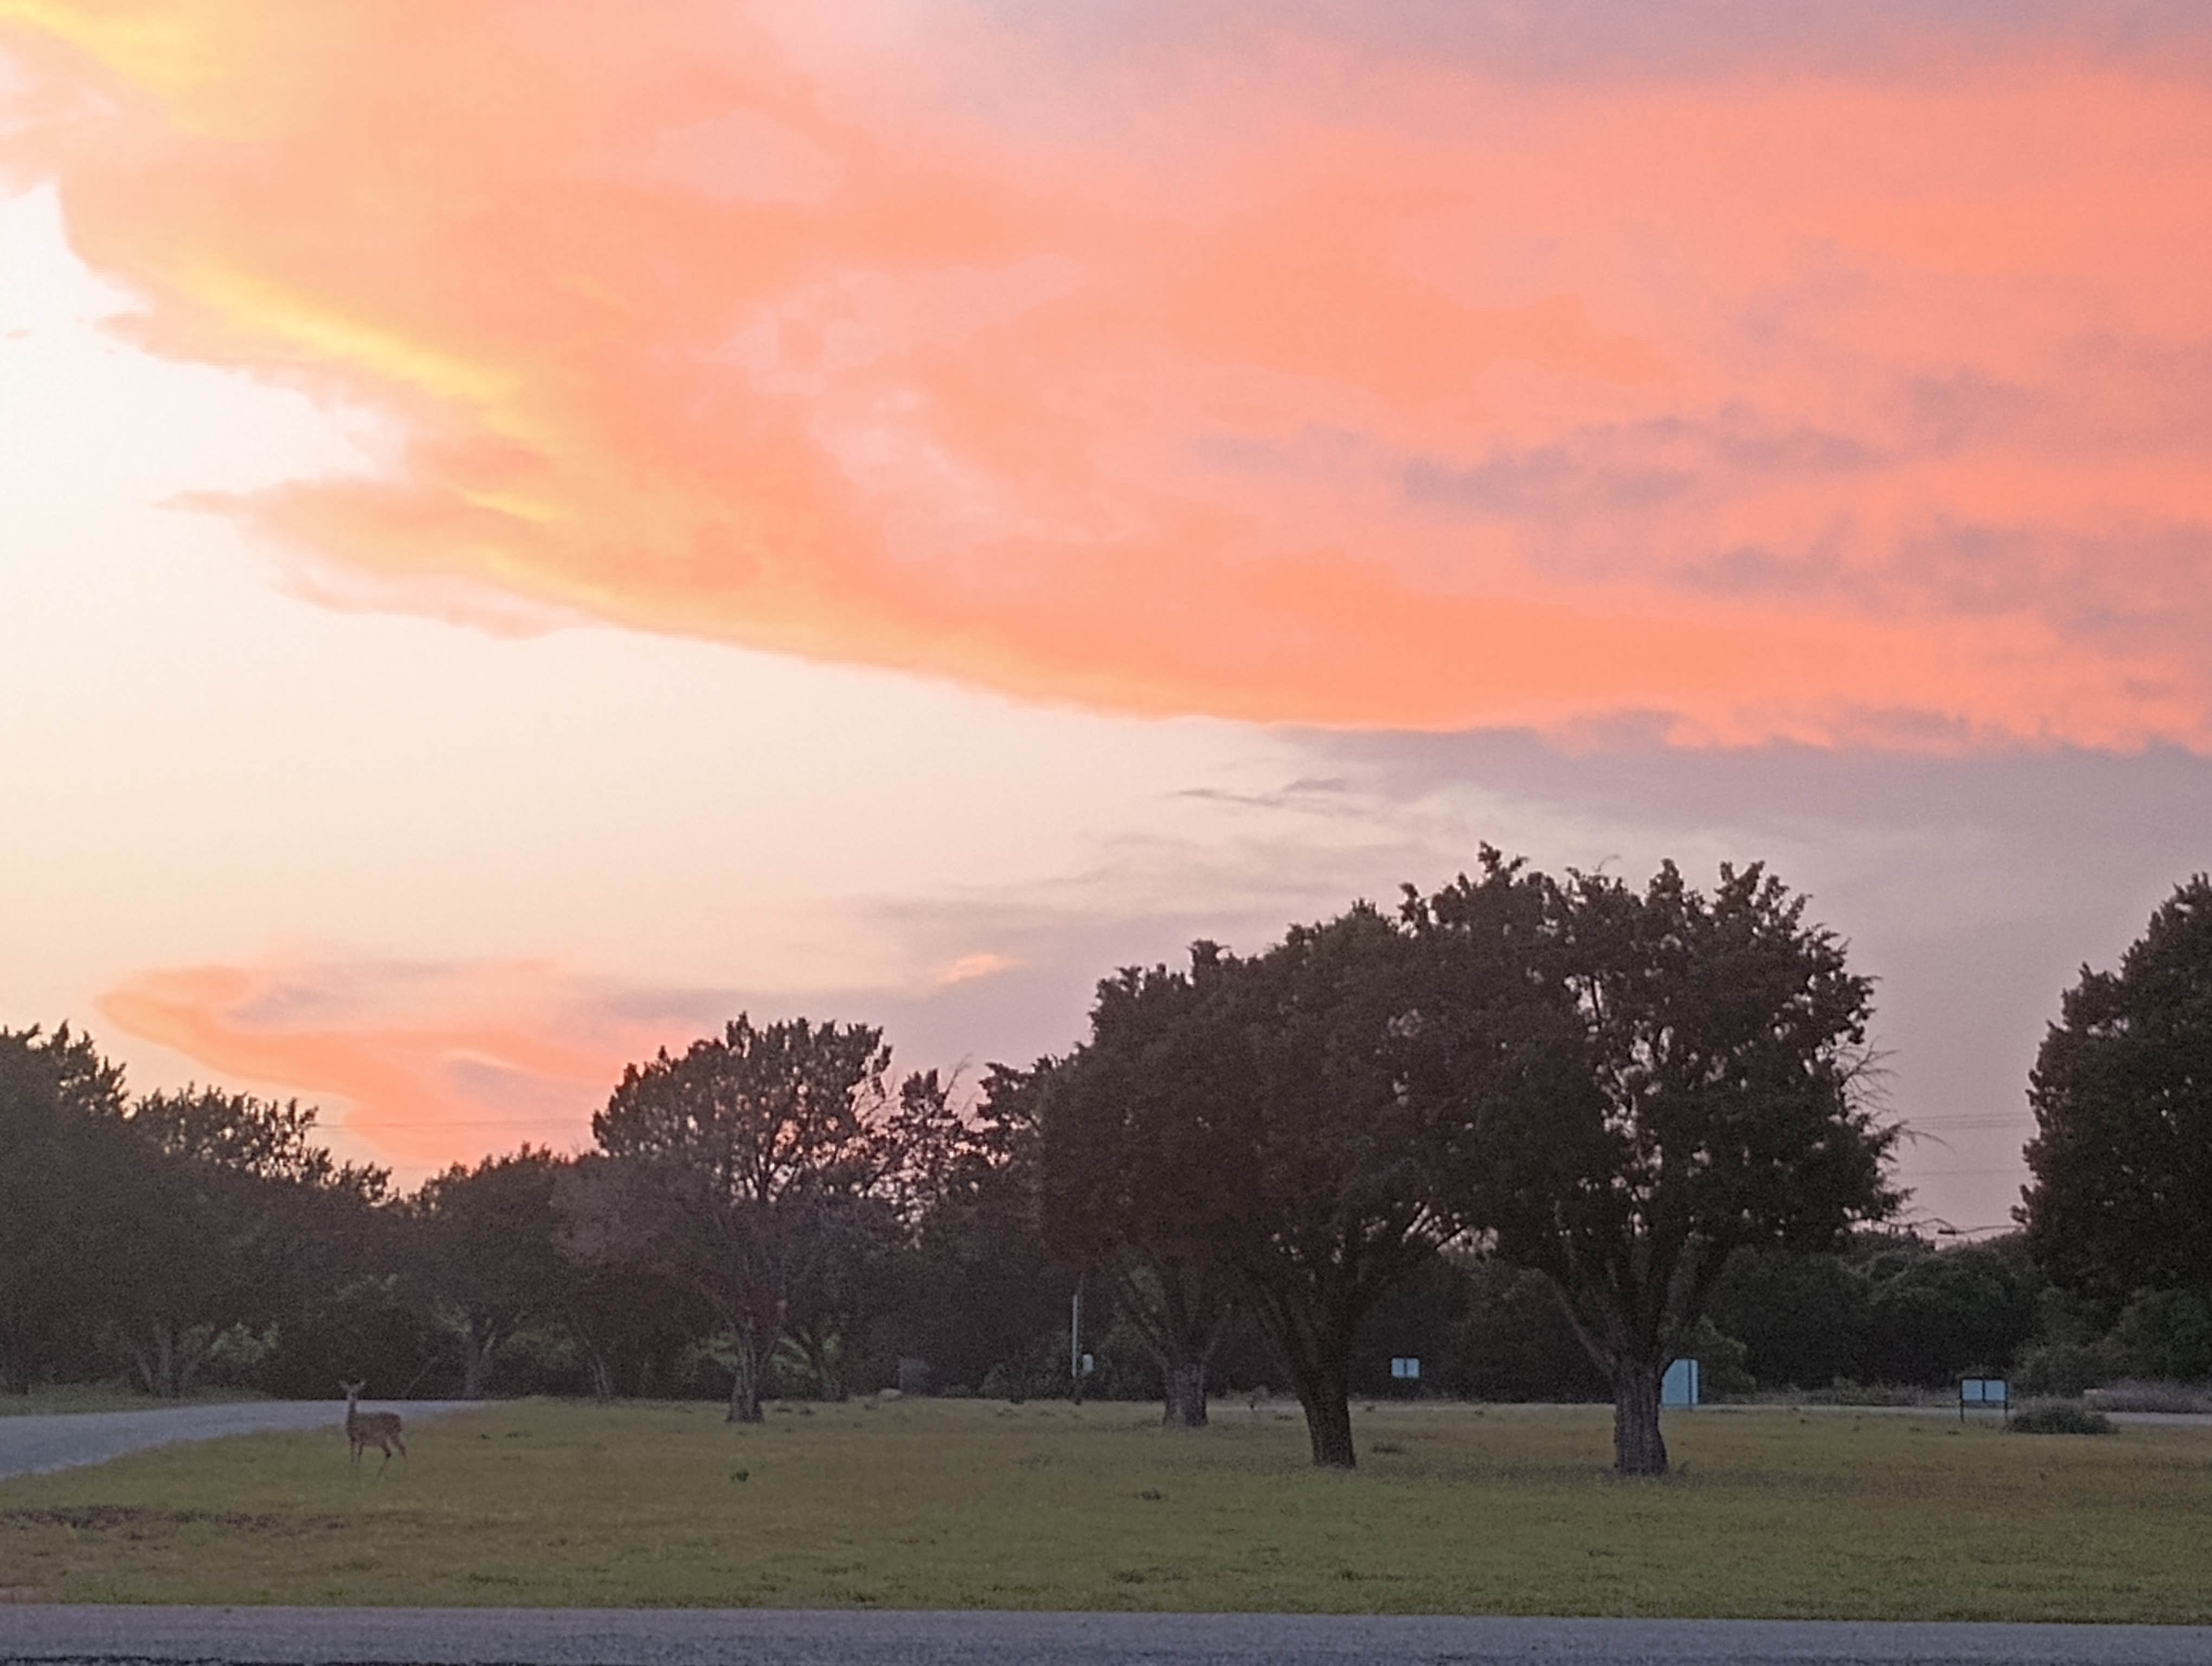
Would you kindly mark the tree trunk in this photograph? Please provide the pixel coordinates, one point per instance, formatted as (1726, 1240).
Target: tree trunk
(1329, 1425)
(745, 1384)
(193, 1348)
(1638, 1449)
(601, 1368)
(825, 1359)
(1318, 1361)
(1186, 1396)
(157, 1363)
(477, 1351)
(1326, 1399)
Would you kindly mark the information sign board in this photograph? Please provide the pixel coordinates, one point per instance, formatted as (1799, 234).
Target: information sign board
(1680, 1385)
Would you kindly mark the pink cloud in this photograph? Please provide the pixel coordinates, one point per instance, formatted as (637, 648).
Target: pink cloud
(1252, 370)
(434, 1064)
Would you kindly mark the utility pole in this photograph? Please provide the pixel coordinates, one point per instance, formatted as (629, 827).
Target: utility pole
(1075, 1341)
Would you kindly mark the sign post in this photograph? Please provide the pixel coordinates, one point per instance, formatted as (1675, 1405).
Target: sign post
(1983, 1392)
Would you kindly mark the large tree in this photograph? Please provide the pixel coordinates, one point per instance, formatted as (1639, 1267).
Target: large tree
(2122, 1158)
(630, 1310)
(856, 1259)
(1129, 1188)
(235, 1209)
(752, 1144)
(984, 1285)
(61, 1140)
(489, 1241)
(1321, 1170)
(1683, 1079)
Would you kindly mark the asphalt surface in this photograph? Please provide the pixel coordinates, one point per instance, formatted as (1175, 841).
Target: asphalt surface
(588, 1636)
(61, 1440)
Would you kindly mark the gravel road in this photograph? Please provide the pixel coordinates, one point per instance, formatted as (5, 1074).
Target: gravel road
(573, 1637)
(61, 1440)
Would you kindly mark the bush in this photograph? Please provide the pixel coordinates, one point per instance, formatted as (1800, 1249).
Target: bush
(1933, 1316)
(1507, 1339)
(239, 1357)
(2059, 1417)
(2165, 1334)
(2063, 1368)
(1721, 1374)
(1802, 1318)
(542, 1359)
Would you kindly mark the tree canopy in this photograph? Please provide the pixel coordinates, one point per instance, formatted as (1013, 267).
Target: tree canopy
(1683, 1079)
(758, 1145)
(1517, 1118)
(2121, 1091)
(1131, 1168)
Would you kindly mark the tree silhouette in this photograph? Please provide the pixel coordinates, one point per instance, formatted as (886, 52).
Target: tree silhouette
(2122, 1089)
(1684, 1079)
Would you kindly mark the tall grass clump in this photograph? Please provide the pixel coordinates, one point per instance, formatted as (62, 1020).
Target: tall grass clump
(2059, 1417)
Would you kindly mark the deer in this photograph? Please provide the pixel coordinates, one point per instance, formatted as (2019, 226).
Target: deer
(367, 1429)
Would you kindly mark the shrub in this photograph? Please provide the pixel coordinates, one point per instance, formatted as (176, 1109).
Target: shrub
(2059, 1417)
(2165, 1334)
(236, 1357)
(1721, 1374)
(2063, 1367)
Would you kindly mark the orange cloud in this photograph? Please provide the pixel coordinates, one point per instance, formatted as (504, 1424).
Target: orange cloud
(434, 1064)
(1275, 377)
(970, 967)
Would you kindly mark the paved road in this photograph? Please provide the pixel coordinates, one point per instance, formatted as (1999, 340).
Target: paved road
(573, 1636)
(61, 1440)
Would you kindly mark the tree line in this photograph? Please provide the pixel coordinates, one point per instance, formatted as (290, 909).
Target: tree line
(1547, 1134)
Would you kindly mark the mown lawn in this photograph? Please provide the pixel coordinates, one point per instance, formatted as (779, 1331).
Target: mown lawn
(971, 1503)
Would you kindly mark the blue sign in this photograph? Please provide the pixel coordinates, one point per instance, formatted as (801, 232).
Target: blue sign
(1679, 1387)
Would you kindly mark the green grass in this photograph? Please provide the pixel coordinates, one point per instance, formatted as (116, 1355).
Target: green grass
(971, 1503)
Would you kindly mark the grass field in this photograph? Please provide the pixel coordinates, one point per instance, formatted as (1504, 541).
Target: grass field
(971, 1503)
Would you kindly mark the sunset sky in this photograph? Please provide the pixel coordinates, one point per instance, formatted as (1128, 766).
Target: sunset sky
(529, 525)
